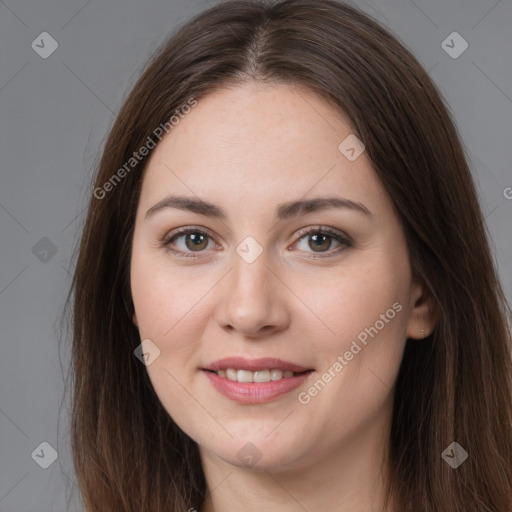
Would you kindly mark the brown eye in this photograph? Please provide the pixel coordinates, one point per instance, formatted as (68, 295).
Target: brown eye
(196, 241)
(320, 240)
(187, 240)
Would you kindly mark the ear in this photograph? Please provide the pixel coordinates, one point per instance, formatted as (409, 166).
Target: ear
(423, 312)
(135, 319)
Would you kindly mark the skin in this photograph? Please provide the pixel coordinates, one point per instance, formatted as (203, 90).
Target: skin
(247, 149)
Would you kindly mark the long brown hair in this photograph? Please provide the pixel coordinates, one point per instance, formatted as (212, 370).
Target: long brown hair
(456, 385)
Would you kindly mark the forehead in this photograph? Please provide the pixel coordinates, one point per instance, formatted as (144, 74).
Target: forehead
(259, 141)
(250, 117)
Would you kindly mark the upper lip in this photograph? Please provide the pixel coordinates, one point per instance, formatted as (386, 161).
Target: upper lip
(262, 363)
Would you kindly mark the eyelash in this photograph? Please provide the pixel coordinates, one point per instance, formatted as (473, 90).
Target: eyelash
(324, 230)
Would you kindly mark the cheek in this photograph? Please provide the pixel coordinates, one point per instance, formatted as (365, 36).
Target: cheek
(344, 302)
(161, 300)
(363, 310)
(167, 308)
(361, 352)
(162, 294)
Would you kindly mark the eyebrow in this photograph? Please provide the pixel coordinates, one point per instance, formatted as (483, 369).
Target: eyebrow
(283, 211)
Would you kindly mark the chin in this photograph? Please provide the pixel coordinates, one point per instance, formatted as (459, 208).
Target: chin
(258, 455)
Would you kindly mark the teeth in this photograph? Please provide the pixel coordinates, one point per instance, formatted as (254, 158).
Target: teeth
(276, 374)
(262, 376)
(258, 376)
(244, 376)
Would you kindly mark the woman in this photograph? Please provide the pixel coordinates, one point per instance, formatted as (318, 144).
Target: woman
(284, 294)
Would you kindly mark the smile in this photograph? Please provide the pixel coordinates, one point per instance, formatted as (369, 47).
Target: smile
(254, 381)
(257, 376)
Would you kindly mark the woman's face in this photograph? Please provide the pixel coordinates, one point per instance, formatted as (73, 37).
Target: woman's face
(325, 288)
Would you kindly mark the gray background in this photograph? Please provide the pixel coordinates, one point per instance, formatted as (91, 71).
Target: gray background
(54, 115)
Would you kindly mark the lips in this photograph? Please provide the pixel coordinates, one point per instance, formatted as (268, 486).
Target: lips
(255, 391)
(254, 365)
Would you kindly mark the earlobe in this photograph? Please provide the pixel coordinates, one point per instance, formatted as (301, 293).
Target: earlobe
(423, 314)
(135, 319)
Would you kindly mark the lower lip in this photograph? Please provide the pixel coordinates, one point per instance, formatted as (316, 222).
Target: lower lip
(255, 392)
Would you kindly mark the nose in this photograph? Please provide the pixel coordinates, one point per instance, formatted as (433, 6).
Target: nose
(253, 300)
